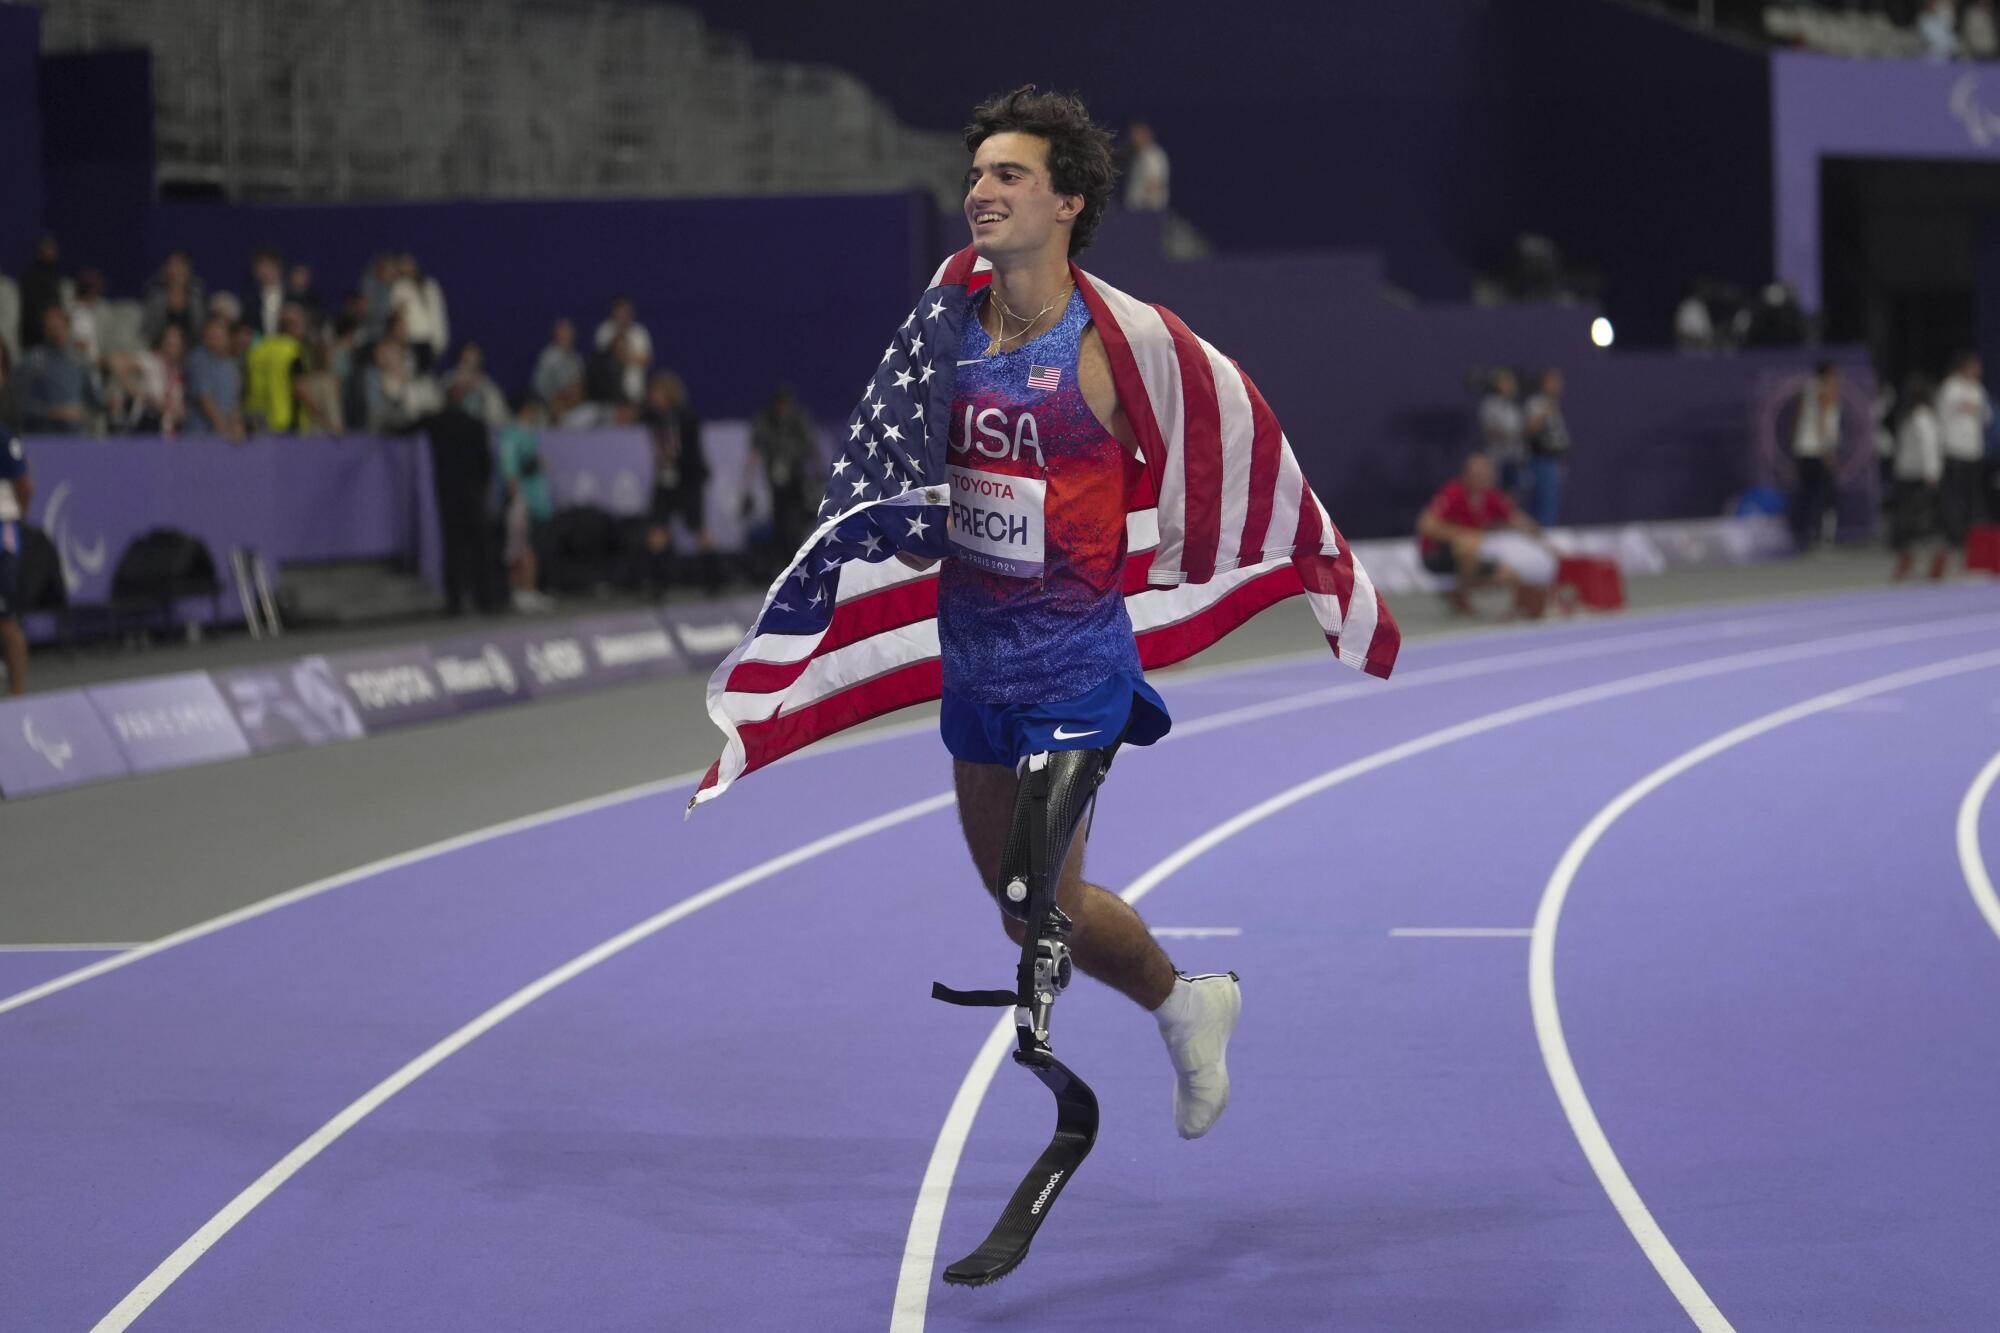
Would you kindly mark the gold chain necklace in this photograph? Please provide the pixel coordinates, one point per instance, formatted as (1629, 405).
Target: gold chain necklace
(993, 342)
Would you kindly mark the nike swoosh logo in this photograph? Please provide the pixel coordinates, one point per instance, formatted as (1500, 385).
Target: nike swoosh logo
(975, 361)
(1062, 735)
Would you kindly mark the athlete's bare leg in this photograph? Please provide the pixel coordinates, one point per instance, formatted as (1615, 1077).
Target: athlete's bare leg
(1110, 942)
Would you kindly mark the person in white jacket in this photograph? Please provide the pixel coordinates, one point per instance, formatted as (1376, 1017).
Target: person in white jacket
(1964, 412)
(1917, 467)
(420, 301)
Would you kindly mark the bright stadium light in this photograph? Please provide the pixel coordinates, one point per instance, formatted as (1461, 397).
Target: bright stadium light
(1600, 331)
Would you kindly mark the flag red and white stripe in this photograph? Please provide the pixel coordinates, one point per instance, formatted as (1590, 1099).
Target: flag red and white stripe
(1228, 528)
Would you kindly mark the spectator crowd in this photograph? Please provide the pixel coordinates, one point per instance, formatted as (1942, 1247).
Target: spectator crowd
(276, 356)
(188, 358)
(1936, 30)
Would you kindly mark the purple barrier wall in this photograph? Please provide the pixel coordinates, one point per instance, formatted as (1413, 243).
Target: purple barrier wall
(298, 499)
(290, 499)
(739, 294)
(21, 142)
(1825, 106)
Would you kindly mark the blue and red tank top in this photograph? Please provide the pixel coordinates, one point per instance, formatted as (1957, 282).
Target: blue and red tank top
(1030, 599)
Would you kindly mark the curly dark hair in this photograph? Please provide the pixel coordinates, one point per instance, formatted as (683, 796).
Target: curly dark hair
(1079, 151)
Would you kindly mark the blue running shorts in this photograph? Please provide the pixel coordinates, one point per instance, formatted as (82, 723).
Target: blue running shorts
(1124, 706)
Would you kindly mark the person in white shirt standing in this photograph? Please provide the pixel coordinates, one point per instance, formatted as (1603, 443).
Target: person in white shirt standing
(1146, 177)
(1502, 430)
(426, 324)
(1964, 412)
(1937, 29)
(1977, 31)
(1917, 467)
(1815, 452)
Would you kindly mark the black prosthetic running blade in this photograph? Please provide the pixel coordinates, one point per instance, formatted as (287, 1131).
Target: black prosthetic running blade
(1076, 1131)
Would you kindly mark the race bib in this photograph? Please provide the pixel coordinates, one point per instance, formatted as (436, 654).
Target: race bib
(996, 521)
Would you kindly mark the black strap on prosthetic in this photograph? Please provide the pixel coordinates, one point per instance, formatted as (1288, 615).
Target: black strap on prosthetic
(972, 999)
(1058, 791)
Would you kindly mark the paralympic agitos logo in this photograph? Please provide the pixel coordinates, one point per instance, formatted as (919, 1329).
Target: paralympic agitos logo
(78, 561)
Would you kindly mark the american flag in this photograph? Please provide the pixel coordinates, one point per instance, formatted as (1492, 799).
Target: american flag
(1045, 378)
(1225, 528)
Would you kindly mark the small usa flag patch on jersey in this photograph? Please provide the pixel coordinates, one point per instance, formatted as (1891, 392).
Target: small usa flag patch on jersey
(1044, 378)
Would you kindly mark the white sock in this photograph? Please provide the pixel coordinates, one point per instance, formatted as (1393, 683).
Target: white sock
(1180, 1006)
(1196, 1022)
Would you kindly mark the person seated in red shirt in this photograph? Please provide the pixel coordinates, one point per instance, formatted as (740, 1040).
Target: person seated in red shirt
(1455, 533)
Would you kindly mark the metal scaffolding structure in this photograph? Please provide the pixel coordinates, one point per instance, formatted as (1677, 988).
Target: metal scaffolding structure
(428, 99)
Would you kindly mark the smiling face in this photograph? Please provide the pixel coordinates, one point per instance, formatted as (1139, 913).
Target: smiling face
(1011, 205)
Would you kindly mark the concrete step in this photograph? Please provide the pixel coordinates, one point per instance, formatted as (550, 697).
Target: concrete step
(349, 592)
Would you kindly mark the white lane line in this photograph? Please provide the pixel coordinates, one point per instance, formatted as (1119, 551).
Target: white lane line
(345, 877)
(1431, 675)
(1196, 932)
(1461, 932)
(177, 1263)
(67, 948)
(1576, 1106)
(913, 1283)
(1469, 670)
(1977, 878)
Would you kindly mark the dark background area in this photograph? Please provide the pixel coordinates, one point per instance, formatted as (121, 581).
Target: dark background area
(1432, 130)
(1901, 256)
(21, 143)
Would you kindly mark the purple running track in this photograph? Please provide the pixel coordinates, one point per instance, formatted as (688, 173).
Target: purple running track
(1771, 976)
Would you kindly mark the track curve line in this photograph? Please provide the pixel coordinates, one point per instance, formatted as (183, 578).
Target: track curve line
(1978, 879)
(1549, 1036)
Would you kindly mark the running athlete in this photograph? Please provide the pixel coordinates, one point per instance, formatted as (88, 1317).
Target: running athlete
(1040, 667)
(15, 491)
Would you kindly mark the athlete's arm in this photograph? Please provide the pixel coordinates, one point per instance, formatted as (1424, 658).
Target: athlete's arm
(1431, 526)
(1093, 376)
